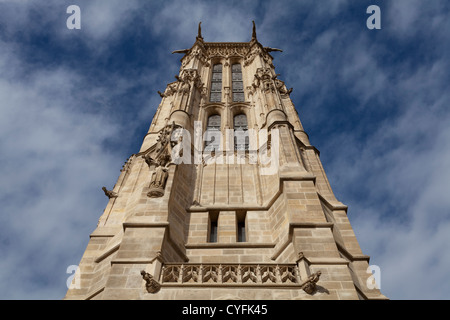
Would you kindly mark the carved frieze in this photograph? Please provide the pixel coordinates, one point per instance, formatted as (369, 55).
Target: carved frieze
(264, 80)
(223, 274)
(226, 50)
(170, 90)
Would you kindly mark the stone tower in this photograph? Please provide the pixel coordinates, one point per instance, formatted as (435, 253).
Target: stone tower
(226, 199)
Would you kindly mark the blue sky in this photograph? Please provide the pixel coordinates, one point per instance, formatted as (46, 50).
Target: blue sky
(75, 104)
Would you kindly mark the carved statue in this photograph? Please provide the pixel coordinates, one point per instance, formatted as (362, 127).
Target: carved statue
(309, 286)
(151, 284)
(161, 157)
(158, 182)
(110, 194)
(185, 86)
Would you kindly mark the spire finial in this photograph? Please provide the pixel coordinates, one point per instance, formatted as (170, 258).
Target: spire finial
(199, 35)
(254, 30)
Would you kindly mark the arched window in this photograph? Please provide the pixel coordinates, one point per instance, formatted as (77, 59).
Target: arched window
(240, 126)
(237, 84)
(213, 133)
(216, 83)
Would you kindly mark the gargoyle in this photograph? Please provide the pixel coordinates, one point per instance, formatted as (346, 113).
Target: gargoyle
(110, 194)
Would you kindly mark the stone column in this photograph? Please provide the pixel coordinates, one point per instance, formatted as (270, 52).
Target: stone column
(226, 225)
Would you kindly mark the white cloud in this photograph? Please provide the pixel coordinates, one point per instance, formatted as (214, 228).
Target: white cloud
(53, 166)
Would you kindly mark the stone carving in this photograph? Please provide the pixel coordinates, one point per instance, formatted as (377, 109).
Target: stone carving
(309, 286)
(264, 79)
(226, 50)
(170, 90)
(192, 76)
(181, 51)
(191, 273)
(268, 274)
(160, 158)
(110, 194)
(210, 274)
(251, 55)
(164, 144)
(151, 284)
(247, 274)
(171, 274)
(281, 87)
(288, 274)
(229, 274)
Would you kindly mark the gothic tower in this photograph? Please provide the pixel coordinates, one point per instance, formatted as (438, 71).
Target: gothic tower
(226, 199)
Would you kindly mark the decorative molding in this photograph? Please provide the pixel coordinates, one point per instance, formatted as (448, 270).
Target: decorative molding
(247, 274)
(160, 157)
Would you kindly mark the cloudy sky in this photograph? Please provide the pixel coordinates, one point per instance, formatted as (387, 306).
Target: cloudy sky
(75, 104)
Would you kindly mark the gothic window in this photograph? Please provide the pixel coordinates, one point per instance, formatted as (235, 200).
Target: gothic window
(213, 133)
(240, 125)
(216, 83)
(237, 84)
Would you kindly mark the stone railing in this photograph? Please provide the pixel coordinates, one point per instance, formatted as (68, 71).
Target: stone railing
(241, 275)
(230, 274)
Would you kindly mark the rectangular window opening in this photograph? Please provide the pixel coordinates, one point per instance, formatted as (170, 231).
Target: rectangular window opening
(241, 229)
(212, 234)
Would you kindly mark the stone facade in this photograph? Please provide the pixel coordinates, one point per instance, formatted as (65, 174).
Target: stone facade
(224, 229)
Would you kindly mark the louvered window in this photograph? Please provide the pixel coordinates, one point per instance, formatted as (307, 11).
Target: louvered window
(241, 139)
(212, 134)
(216, 83)
(237, 84)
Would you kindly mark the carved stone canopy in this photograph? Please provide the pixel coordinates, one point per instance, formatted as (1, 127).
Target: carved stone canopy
(161, 153)
(159, 159)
